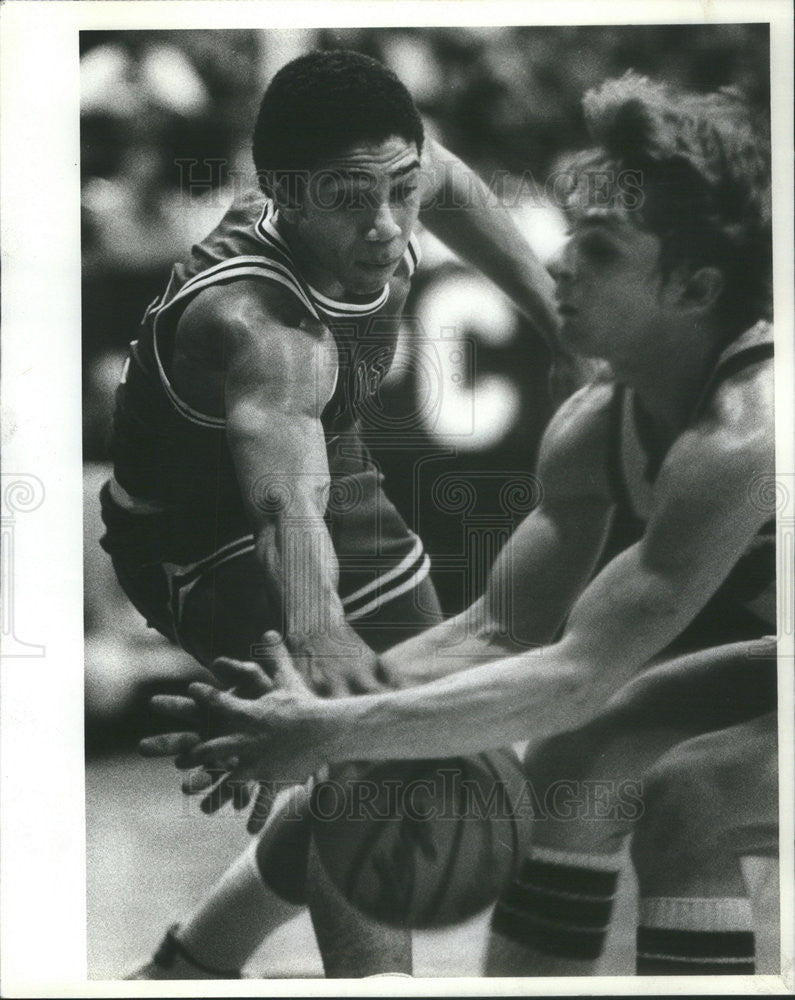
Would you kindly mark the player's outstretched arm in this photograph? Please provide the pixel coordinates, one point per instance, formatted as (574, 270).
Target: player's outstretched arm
(469, 217)
(461, 210)
(543, 566)
(705, 514)
(279, 375)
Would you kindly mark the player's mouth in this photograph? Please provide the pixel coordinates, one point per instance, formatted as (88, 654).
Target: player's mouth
(377, 267)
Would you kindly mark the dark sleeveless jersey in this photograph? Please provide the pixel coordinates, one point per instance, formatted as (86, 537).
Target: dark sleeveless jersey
(633, 461)
(172, 460)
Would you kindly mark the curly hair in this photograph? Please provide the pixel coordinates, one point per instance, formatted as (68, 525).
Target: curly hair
(323, 103)
(704, 177)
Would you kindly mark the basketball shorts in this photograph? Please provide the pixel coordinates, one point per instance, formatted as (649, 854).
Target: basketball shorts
(197, 580)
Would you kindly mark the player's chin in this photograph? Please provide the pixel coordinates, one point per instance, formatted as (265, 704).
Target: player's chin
(577, 337)
(366, 278)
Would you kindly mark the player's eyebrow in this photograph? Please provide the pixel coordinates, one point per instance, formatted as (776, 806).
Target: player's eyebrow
(355, 173)
(402, 171)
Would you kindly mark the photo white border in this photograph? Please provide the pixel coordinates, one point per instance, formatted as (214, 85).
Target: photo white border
(42, 847)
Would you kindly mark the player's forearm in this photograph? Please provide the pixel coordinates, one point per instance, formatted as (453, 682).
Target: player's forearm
(624, 621)
(300, 568)
(531, 695)
(453, 645)
(466, 215)
(530, 590)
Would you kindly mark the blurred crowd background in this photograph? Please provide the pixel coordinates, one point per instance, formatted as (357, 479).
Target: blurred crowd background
(165, 127)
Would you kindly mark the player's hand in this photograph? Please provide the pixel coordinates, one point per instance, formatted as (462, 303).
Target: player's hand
(340, 676)
(245, 678)
(276, 737)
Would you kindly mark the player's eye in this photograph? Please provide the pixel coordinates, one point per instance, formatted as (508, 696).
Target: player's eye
(357, 199)
(404, 191)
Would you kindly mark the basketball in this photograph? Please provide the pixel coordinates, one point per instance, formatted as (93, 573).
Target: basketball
(420, 844)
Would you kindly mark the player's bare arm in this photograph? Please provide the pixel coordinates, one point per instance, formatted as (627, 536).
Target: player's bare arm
(459, 208)
(542, 567)
(273, 367)
(625, 617)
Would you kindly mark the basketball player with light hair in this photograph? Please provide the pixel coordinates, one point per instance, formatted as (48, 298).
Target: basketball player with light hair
(646, 574)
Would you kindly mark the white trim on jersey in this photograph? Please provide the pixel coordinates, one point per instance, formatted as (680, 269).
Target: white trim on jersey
(335, 307)
(183, 578)
(235, 267)
(408, 573)
(242, 266)
(194, 416)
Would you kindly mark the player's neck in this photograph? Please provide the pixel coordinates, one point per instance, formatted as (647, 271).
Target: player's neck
(670, 377)
(318, 277)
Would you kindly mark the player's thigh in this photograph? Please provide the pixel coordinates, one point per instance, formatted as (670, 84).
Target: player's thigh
(710, 799)
(384, 571)
(225, 610)
(713, 688)
(654, 712)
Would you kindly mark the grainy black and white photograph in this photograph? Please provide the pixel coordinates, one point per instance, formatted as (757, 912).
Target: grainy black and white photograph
(431, 510)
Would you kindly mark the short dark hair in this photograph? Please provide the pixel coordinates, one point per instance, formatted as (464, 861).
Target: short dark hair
(705, 178)
(323, 103)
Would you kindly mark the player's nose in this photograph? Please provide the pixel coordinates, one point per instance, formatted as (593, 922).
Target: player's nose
(383, 226)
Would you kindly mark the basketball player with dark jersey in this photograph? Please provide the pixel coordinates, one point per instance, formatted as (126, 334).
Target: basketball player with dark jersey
(243, 496)
(646, 575)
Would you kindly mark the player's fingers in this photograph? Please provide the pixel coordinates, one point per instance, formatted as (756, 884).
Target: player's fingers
(177, 707)
(278, 662)
(247, 678)
(168, 744)
(225, 711)
(365, 684)
(381, 676)
(198, 781)
(242, 792)
(222, 793)
(266, 795)
(321, 687)
(337, 687)
(220, 754)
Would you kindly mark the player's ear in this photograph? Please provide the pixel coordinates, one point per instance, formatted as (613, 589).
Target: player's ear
(702, 289)
(285, 190)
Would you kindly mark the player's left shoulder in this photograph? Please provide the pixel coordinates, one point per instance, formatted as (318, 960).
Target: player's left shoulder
(740, 409)
(730, 441)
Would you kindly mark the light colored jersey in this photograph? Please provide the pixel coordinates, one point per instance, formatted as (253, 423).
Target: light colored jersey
(634, 459)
